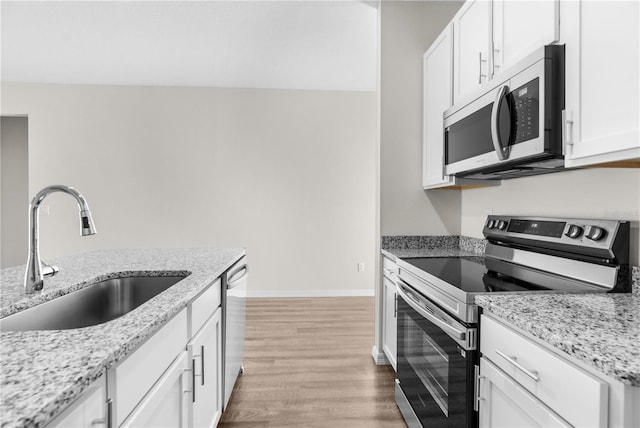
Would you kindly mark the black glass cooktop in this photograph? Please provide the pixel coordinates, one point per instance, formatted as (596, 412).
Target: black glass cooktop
(470, 274)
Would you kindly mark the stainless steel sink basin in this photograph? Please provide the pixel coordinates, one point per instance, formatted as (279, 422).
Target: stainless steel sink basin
(95, 304)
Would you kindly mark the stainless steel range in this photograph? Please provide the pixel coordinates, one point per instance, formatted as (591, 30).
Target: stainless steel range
(438, 319)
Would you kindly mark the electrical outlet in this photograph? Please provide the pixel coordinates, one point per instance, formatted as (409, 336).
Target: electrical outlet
(360, 267)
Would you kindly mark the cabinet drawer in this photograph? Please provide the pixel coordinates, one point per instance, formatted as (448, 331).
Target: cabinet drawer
(205, 305)
(389, 268)
(140, 371)
(575, 395)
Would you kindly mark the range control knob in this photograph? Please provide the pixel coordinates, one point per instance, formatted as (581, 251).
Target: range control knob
(490, 224)
(595, 233)
(502, 225)
(574, 231)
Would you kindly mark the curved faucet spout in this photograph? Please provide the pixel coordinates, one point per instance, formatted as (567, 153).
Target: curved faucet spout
(36, 269)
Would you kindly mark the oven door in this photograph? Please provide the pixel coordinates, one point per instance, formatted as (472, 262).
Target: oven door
(436, 358)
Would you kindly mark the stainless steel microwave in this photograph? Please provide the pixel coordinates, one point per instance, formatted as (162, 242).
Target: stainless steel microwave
(512, 128)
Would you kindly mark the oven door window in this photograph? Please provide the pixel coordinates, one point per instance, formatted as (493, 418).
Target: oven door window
(435, 373)
(430, 362)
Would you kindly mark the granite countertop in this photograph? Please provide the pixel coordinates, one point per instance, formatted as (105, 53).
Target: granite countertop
(41, 372)
(432, 246)
(600, 330)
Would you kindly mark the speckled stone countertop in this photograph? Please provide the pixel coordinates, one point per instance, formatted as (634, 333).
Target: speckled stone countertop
(431, 246)
(41, 372)
(601, 330)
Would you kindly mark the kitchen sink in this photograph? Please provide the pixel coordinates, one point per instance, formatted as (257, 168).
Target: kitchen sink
(96, 304)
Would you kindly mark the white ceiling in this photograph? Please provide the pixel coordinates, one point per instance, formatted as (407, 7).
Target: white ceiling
(324, 45)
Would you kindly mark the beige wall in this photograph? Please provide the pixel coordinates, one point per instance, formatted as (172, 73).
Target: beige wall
(14, 198)
(590, 193)
(407, 29)
(288, 174)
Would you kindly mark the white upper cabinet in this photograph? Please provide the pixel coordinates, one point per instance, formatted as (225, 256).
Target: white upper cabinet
(600, 122)
(521, 27)
(472, 33)
(438, 96)
(491, 36)
(601, 116)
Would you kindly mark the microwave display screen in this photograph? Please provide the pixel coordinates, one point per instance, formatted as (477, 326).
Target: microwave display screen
(552, 229)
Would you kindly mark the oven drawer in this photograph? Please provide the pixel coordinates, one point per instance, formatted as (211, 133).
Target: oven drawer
(575, 395)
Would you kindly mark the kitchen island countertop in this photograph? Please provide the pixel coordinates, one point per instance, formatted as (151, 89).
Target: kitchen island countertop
(42, 372)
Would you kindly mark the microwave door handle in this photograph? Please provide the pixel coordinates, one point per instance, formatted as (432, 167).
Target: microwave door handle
(501, 151)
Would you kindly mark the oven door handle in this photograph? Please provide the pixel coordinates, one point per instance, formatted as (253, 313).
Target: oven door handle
(417, 306)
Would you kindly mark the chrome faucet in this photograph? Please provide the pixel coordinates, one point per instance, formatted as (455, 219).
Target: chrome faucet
(36, 268)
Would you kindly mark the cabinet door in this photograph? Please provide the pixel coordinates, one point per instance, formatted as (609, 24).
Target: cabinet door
(389, 332)
(438, 96)
(504, 403)
(88, 411)
(602, 113)
(167, 403)
(137, 374)
(471, 47)
(205, 352)
(520, 27)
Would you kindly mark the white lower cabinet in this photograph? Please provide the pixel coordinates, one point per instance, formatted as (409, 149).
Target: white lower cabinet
(88, 411)
(504, 403)
(205, 351)
(167, 403)
(389, 310)
(570, 393)
(174, 379)
(132, 379)
(524, 382)
(390, 322)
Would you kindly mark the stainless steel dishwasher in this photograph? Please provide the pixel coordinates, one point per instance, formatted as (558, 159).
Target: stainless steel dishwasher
(234, 293)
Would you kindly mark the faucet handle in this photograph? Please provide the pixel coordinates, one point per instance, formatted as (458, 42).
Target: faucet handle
(49, 270)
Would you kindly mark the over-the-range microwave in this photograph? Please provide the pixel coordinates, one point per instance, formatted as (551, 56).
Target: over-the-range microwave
(513, 127)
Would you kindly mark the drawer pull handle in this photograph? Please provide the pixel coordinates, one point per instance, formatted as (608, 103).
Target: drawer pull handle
(512, 360)
(193, 380)
(202, 364)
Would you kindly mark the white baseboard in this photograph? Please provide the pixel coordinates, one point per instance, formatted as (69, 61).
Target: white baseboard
(312, 293)
(379, 357)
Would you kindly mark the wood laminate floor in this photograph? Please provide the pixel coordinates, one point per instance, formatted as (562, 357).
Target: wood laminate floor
(308, 364)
